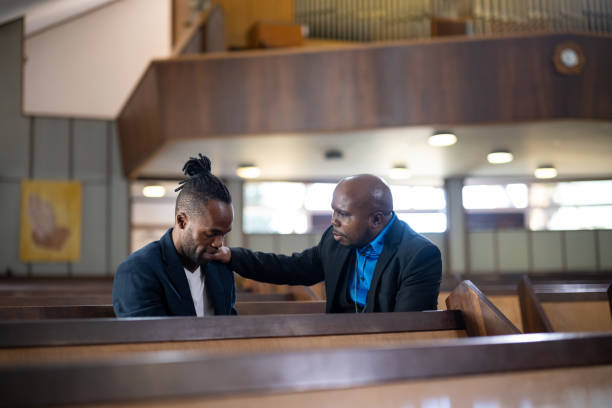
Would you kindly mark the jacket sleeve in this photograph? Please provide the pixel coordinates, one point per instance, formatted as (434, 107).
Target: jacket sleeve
(136, 291)
(302, 268)
(420, 282)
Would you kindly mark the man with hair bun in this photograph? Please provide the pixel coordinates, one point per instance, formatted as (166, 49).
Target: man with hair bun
(174, 276)
(370, 260)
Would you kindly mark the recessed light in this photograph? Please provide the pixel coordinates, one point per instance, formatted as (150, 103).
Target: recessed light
(500, 157)
(248, 171)
(399, 171)
(442, 138)
(153, 191)
(547, 171)
(333, 154)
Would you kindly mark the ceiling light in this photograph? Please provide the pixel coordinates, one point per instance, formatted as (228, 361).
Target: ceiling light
(442, 138)
(153, 191)
(547, 171)
(248, 171)
(333, 154)
(500, 157)
(399, 171)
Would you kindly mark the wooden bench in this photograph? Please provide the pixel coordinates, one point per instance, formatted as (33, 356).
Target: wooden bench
(99, 311)
(538, 370)
(33, 340)
(564, 308)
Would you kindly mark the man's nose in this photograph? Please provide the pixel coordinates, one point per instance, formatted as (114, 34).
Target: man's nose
(334, 220)
(218, 241)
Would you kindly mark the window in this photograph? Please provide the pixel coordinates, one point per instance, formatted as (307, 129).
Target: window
(298, 208)
(540, 206)
(151, 216)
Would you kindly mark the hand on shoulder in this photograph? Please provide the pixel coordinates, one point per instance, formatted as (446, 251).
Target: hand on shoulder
(223, 255)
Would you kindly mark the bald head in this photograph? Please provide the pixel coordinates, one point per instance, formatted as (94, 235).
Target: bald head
(369, 191)
(362, 206)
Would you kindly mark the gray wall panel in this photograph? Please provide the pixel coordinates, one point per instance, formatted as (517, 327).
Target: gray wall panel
(9, 250)
(290, 243)
(481, 252)
(513, 253)
(93, 233)
(547, 256)
(581, 252)
(439, 240)
(51, 150)
(605, 250)
(90, 147)
(48, 269)
(120, 223)
(14, 133)
(116, 166)
(261, 242)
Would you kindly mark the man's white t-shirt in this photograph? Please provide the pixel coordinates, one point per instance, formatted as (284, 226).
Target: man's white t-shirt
(197, 286)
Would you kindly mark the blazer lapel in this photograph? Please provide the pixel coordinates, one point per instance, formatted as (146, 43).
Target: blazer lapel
(176, 273)
(341, 264)
(392, 240)
(215, 288)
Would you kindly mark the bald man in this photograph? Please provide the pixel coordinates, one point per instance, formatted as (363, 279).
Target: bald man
(370, 260)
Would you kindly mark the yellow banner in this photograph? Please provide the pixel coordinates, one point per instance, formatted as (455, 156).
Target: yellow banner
(50, 221)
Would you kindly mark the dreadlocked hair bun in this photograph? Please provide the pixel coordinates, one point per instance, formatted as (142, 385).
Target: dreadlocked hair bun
(197, 166)
(200, 185)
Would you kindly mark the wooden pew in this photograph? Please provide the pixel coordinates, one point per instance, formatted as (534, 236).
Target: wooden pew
(533, 316)
(99, 311)
(63, 339)
(481, 316)
(610, 297)
(564, 308)
(32, 340)
(538, 370)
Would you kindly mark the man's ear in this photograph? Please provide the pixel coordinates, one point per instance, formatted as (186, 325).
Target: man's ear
(376, 219)
(181, 220)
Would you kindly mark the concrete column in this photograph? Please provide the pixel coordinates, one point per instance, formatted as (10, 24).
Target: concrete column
(458, 244)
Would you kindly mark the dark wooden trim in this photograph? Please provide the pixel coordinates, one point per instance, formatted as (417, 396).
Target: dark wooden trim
(97, 311)
(171, 374)
(149, 330)
(532, 314)
(481, 316)
(289, 307)
(264, 297)
(473, 80)
(610, 298)
(56, 312)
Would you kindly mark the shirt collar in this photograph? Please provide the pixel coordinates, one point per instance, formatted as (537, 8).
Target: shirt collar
(375, 247)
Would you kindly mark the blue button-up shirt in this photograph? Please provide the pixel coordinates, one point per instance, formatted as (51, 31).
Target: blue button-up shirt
(367, 257)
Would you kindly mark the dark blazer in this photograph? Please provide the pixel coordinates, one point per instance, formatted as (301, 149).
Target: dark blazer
(152, 282)
(406, 278)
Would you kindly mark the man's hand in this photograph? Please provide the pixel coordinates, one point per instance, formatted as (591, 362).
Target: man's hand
(223, 255)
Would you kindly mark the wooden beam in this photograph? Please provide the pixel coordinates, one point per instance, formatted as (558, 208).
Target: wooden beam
(447, 81)
(533, 315)
(481, 317)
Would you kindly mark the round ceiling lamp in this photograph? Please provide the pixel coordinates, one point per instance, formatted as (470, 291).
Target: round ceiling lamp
(153, 191)
(442, 138)
(500, 157)
(546, 171)
(248, 171)
(399, 172)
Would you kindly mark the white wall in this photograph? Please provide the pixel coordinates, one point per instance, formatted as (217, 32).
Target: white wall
(87, 67)
(58, 148)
